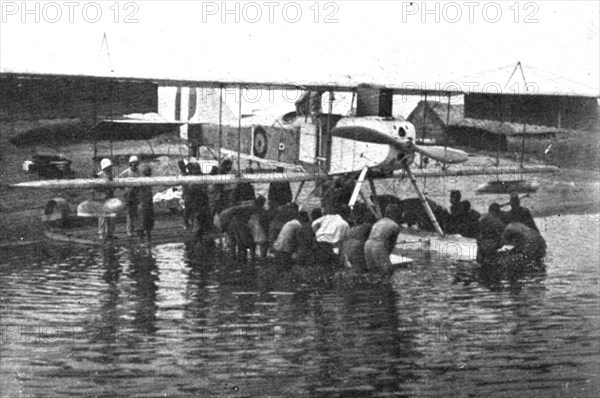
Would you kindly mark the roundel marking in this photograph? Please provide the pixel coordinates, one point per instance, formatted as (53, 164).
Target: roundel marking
(260, 142)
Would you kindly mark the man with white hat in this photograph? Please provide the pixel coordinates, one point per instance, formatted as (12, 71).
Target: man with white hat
(106, 226)
(105, 209)
(132, 194)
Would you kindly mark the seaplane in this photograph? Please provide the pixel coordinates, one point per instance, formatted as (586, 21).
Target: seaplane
(310, 144)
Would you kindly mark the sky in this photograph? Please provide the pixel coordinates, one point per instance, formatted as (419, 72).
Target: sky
(394, 43)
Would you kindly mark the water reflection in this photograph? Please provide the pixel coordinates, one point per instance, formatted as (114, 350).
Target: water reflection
(188, 321)
(144, 273)
(108, 322)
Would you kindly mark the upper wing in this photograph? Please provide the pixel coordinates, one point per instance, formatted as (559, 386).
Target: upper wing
(297, 85)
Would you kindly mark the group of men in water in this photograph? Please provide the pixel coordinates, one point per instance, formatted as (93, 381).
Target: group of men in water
(138, 205)
(509, 237)
(338, 236)
(333, 234)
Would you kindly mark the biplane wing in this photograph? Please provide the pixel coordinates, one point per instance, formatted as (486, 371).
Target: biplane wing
(371, 139)
(482, 171)
(288, 176)
(87, 183)
(131, 129)
(331, 85)
(115, 129)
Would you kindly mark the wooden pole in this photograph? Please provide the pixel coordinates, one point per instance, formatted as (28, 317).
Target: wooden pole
(447, 122)
(220, 123)
(424, 134)
(112, 99)
(239, 146)
(329, 137)
(446, 138)
(523, 144)
(499, 136)
(424, 129)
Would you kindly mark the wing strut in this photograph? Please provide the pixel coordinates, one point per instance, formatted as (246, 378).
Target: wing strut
(367, 202)
(299, 191)
(375, 200)
(423, 200)
(357, 187)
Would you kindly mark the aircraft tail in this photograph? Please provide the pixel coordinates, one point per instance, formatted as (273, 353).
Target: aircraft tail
(192, 105)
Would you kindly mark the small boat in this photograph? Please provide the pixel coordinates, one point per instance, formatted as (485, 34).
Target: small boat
(412, 241)
(507, 187)
(81, 228)
(400, 261)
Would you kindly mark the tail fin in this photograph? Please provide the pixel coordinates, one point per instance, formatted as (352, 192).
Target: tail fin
(192, 105)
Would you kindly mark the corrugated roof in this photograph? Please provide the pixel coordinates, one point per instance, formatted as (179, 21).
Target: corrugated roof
(457, 112)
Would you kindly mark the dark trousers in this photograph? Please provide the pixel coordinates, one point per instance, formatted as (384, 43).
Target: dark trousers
(324, 254)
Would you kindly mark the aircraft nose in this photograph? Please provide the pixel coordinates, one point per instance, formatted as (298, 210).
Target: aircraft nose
(407, 145)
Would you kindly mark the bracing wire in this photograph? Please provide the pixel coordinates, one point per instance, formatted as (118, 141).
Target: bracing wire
(105, 43)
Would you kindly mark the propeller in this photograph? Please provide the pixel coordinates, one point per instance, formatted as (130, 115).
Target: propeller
(404, 145)
(366, 134)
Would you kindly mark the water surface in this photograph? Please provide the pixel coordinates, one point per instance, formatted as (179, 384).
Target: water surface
(180, 322)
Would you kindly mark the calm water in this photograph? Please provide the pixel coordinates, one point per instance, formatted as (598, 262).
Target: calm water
(178, 322)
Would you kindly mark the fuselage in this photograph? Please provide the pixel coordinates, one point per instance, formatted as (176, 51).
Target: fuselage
(351, 154)
(295, 139)
(355, 152)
